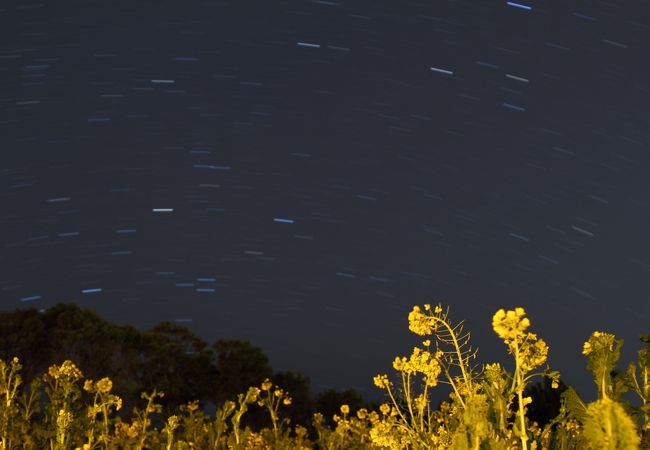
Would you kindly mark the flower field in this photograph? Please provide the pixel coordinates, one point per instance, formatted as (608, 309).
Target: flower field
(488, 407)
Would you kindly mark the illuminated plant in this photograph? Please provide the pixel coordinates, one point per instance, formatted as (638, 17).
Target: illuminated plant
(10, 380)
(409, 420)
(240, 436)
(142, 420)
(529, 353)
(607, 426)
(271, 398)
(639, 379)
(103, 402)
(603, 351)
(220, 426)
(63, 391)
(486, 408)
(352, 430)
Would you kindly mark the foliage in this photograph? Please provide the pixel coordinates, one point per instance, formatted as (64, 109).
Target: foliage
(488, 407)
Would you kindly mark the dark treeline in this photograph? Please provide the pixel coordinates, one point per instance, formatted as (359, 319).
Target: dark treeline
(167, 358)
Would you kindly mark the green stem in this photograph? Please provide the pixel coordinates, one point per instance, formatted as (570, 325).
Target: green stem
(520, 396)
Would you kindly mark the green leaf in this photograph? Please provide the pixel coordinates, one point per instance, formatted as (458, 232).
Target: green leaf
(608, 427)
(574, 406)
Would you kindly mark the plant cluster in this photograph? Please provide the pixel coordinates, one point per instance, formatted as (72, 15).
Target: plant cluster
(488, 408)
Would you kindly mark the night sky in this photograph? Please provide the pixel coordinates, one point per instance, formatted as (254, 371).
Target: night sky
(300, 173)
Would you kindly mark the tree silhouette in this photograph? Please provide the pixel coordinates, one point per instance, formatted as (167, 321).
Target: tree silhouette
(546, 400)
(168, 358)
(238, 365)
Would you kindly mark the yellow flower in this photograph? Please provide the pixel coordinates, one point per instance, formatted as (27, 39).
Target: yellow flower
(384, 408)
(301, 431)
(420, 323)
(65, 370)
(381, 381)
(421, 402)
(510, 325)
(193, 406)
(384, 435)
(534, 353)
(173, 422)
(104, 385)
(401, 364)
(53, 371)
(345, 409)
(420, 361)
(68, 369)
(266, 385)
(251, 395)
(362, 413)
(93, 410)
(599, 341)
(286, 401)
(63, 419)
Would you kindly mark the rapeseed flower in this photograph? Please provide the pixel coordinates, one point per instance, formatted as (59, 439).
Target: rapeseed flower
(535, 354)
(63, 419)
(173, 422)
(420, 361)
(192, 406)
(266, 385)
(420, 323)
(383, 434)
(599, 341)
(511, 325)
(382, 381)
(104, 385)
(421, 401)
(65, 370)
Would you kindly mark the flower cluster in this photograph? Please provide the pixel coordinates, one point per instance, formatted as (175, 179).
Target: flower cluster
(535, 354)
(102, 386)
(599, 341)
(421, 323)
(511, 325)
(420, 361)
(66, 370)
(381, 381)
(386, 434)
(103, 397)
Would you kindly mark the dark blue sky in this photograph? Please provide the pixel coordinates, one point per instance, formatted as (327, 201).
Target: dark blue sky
(322, 166)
